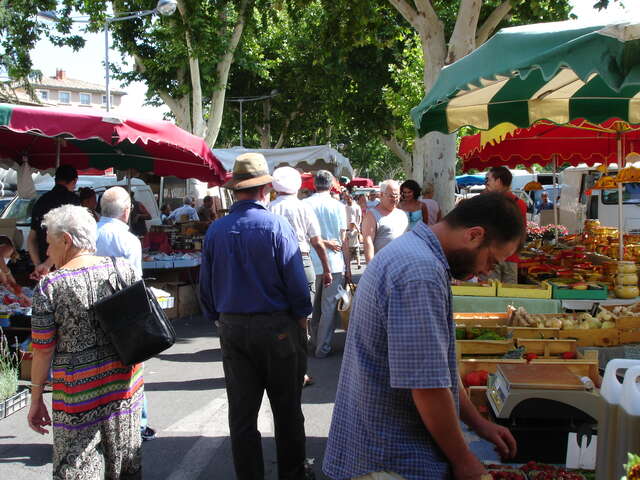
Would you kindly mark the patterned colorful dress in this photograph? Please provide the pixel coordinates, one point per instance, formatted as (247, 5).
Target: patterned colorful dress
(96, 399)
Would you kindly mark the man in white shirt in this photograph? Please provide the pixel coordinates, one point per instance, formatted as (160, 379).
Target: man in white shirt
(115, 240)
(186, 213)
(114, 237)
(354, 212)
(332, 217)
(287, 182)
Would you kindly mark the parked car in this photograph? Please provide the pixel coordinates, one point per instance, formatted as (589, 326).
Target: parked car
(20, 208)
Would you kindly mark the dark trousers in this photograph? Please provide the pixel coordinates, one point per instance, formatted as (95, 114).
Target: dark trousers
(264, 352)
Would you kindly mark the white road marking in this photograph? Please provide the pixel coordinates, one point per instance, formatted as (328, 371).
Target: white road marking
(211, 424)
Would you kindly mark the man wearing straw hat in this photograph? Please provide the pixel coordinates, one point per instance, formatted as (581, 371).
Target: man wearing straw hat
(252, 282)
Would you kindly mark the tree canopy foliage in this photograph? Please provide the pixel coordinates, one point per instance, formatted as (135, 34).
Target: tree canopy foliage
(344, 72)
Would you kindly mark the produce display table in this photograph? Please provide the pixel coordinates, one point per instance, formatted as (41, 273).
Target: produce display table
(588, 304)
(464, 304)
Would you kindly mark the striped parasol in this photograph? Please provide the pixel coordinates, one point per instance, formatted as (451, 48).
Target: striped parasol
(556, 72)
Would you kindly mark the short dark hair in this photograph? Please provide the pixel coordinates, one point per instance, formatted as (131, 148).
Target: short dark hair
(86, 192)
(503, 174)
(497, 213)
(413, 186)
(207, 198)
(66, 174)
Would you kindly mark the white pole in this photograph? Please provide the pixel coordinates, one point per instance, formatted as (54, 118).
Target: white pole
(161, 196)
(555, 198)
(620, 212)
(58, 140)
(106, 65)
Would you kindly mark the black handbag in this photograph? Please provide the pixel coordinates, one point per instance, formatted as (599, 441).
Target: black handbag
(133, 320)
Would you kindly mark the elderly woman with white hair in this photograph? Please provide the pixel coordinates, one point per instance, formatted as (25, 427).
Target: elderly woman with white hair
(96, 399)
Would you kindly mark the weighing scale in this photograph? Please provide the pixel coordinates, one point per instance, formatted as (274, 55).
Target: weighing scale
(541, 405)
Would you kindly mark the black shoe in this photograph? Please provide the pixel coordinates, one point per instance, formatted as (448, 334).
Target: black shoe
(309, 474)
(148, 433)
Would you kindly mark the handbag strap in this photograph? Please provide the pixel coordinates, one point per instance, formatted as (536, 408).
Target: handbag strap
(120, 280)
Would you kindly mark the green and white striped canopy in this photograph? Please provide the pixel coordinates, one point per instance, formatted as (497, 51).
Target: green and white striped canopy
(555, 71)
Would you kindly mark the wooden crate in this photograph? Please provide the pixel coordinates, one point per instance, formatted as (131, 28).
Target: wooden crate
(474, 289)
(468, 365)
(598, 337)
(629, 336)
(533, 332)
(628, 327)
(547, 347)
(586, 365)
(478, 396)
(484, 347)
(480, 319)
(541, 290)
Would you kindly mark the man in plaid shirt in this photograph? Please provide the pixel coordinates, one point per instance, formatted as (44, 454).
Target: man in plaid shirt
(399, 401)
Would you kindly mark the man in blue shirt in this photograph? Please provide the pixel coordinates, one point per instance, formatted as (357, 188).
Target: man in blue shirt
(399, 400)
(252, 282)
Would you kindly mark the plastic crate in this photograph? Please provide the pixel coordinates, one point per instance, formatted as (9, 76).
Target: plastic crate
(14, 403)
(541, 290)
(474, 290)
(572, 294)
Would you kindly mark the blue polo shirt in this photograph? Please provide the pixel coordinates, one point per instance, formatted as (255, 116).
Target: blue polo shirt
(401, 337)
(251, 263)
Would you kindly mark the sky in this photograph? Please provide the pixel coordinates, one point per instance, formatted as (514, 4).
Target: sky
(87, 64)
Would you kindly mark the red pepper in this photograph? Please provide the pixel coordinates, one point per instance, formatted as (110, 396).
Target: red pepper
(569, 355)
(530, 356)
(476, 379)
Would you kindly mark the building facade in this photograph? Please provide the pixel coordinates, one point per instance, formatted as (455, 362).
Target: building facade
(64, 91)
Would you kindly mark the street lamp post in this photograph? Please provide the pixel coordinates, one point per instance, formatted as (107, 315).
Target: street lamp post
(164, 8)
(241, 100)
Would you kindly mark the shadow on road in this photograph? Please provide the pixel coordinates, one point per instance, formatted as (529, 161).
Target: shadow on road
(29, 454)
(199, 384)
(209, 355)
(220, 464)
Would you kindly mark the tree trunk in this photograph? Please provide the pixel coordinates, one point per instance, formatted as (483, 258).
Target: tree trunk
(265, 131)
(434, 162)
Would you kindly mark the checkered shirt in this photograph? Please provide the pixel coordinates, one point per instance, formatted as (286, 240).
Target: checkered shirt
(401, 336)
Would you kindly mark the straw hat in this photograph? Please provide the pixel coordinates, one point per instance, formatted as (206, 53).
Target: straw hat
(249, 170)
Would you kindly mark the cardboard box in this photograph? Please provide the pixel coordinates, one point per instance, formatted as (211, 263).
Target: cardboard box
(25, 366)
(172, 288)
(188, 302)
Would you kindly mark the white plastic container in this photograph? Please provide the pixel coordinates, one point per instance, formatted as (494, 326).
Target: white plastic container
(628, 420)
(608, 438)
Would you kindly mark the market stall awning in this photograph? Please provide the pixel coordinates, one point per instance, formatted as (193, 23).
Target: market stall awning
(575, 143)
(316, 157)
(555, 71)
(469, 180)
(94, 139)
(360, 182)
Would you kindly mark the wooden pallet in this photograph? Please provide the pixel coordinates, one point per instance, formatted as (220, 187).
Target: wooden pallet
(547, 347)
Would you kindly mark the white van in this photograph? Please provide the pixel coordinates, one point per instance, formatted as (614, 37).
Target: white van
(576, 206)
(20, 208)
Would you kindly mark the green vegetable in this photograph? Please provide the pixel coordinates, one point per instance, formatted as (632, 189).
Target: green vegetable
(461, 333)
(490, 336)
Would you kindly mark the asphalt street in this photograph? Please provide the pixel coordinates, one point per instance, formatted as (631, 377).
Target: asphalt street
(188, 408)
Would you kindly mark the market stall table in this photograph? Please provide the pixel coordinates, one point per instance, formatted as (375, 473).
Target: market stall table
(464, 304)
